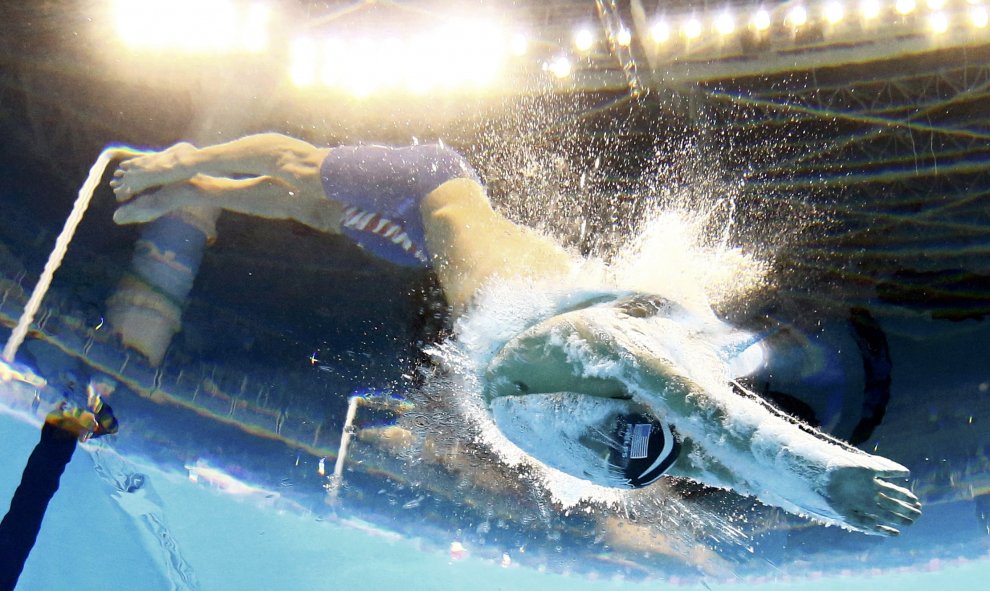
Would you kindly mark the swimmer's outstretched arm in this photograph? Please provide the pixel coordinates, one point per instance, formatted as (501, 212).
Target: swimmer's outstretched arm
(728, 440)
(739, 444)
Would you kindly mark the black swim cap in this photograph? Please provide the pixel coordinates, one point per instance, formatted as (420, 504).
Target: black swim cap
(647, 448)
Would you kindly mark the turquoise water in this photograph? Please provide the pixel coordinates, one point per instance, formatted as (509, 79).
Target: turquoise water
(84, 527)
(285, 550)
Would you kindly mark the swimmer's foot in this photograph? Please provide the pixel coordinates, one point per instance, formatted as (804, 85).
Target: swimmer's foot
(142, 172)
(153, 205)
(867, 502)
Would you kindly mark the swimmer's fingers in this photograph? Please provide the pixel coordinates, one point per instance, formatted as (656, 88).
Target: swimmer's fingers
(876, 522)
(887, 531)
(898, 494)
(899, 511)
(894, 473)
(895, 507)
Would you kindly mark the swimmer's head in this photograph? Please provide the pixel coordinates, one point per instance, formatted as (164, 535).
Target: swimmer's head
(613, 443)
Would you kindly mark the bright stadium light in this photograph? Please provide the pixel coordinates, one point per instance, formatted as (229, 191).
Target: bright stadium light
(905, 7)
(623, 37)
(362, 66)
(869, 9)
(333, 60)
(725, 24)
(938, 22)
(519, 44)
(421, 74)
(254, 32)
(978, 17)
(660, 32)
(692, 28)
(583, 40)
(935, 4)
(559, 67)
(304, 56)
(833, 12)
(797, 16)
(219, 26)
(761, 20)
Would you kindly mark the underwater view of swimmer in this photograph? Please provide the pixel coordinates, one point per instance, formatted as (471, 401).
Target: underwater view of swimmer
(610, 385)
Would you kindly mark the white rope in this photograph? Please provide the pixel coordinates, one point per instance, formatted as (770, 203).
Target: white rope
(58, 253)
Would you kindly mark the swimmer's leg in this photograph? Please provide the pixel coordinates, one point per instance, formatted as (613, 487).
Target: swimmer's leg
(265, 197)
(270, 154)
(470, 243)
(729, 440)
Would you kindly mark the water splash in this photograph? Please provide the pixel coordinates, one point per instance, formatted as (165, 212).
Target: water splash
(679, 254)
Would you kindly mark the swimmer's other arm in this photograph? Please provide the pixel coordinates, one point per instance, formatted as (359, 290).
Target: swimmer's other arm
(736, 442)
(727, 440)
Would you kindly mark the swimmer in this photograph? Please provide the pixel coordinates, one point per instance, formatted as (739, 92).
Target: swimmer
(424, 206)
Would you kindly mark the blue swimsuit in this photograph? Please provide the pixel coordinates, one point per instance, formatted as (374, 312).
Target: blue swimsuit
(382, 188)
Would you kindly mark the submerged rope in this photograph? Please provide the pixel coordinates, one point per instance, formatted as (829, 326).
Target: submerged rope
(58, 253)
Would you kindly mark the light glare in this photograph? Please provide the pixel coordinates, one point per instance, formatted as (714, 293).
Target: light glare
(623, 37)
(303, 68)
(833, 13)
(254, 33)
(692, 28)
(364, 66)
(218, 26)
(660, 32)
(978, 16)
(935, 4)
(519, 45)
(725, 24)
(798, 16)
(870, 9)
(560, 67)
(938, 22)
(583, 40)
(761, 20)
(905, 7)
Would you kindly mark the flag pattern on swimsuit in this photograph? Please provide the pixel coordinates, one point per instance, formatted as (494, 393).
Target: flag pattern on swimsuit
(366, 221)
(382, 188)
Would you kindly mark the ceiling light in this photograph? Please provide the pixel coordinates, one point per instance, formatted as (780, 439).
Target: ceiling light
(833, 12)
(798, 16)
(761, 20)
(583, 40)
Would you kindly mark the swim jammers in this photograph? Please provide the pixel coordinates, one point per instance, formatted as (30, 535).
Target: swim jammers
(382, 188)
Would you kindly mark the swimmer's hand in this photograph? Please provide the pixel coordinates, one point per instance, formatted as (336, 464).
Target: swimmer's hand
(867, 502)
